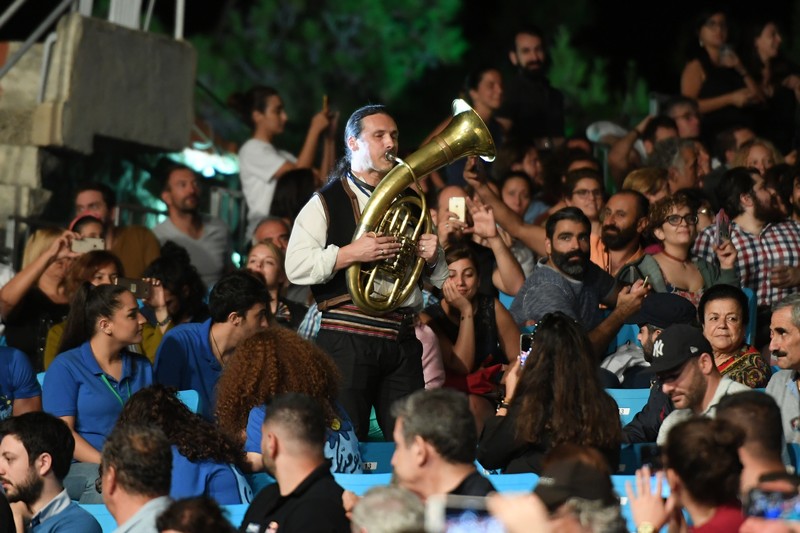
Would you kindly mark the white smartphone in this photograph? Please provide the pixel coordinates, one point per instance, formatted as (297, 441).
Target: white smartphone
(87, 244)
(458, 206)
(459, 513)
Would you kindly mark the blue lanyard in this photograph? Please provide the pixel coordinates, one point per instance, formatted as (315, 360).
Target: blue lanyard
(113, 391)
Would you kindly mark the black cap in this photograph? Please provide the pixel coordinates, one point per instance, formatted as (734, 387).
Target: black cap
(676, 345)
(574, 479)
(663, 309)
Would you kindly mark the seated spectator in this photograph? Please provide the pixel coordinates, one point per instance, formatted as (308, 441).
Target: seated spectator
(566, 281)
(19, 389)
(759, 154)
(624, 220)
(88, 383)
(136, 246)
(88, 224)
(434, 440)
(135, 477)
(683, 362)
(679, 158)
(390, 509)
(97, 267)
(35, 454)
(759, 418)
(515, 190)
(556, 397)
(629, 152)
(184, 290)
(649, 181)
(305, 494)
(194, 515)
(267, 260)
(35, 299)
(476, 333)
(273, 362)
(204, 460)
(784, 346)
(782, 177)
(673, 221)
(702, 465)
(723, 311)
(191, 356)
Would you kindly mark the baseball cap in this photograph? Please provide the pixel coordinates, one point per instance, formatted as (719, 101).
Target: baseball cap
(676, 345)
(663, 309)
(574, 479)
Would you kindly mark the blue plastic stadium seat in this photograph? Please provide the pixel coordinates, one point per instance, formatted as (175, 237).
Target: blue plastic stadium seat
(190, 398)
(376, 457)
(750, 337)
(514, 482)
(101, 513)
(40, 378)
(361, 483)
(634, 456)
(505, 299)
(629, 401)
(235, 513)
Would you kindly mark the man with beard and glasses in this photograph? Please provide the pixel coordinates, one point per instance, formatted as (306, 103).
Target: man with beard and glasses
(35, 456)
(784, 346)
(206, 239)
(532, 110)
(567, 281)
(683, 362)
(768, 246)
(623, 219)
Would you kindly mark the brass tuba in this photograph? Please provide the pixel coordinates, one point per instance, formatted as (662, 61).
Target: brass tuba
(397, 210)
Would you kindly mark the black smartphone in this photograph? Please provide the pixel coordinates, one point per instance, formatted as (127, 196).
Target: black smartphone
(777, 505)
(525, 345)
(723, 223)
(139, 287)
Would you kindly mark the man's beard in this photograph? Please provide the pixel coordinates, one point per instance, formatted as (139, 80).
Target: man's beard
(29, 491)
(570, 268)
(533, 70)
(185, 206)
(619, 239)
(769, 213)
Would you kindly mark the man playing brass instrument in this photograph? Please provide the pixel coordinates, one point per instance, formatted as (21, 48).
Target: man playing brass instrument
(379, 357)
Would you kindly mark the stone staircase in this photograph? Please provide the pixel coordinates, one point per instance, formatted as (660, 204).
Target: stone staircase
(102, 81)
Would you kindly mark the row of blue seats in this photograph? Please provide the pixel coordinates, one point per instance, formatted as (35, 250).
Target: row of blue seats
(360, 484)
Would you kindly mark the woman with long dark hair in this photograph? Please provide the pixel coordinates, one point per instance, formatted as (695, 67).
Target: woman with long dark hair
(89, 382)
(556, 397)
(205, 461)
(261, 164)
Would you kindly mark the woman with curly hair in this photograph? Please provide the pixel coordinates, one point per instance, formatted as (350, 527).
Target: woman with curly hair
(275, 361)
(555, 398)
(204, 460)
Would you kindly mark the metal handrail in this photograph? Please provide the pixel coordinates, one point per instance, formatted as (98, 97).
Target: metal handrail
(8, 13)
(38, 32)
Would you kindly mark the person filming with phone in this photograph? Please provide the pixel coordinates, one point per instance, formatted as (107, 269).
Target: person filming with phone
(767, 245)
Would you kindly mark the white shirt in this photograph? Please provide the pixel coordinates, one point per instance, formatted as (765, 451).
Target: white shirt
(310, 262)
(258, 163)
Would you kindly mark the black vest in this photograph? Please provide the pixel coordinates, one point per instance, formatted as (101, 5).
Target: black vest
(341, 212)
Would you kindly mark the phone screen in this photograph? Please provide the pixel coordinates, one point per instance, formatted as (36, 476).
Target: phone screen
(459, 514)
(723, 227)
(471, 520)
(773, 504)
(525, 344)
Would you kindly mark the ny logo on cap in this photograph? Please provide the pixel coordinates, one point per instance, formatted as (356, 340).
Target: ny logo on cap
(658, 349)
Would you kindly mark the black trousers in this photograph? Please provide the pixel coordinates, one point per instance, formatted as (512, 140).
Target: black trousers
(375, 372)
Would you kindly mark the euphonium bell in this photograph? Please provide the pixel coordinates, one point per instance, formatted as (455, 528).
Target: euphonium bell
(398, 210)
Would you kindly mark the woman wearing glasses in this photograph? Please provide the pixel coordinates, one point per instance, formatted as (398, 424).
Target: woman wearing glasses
(673, 221)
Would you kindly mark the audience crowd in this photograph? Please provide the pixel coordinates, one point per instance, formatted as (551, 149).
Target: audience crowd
(665, 258)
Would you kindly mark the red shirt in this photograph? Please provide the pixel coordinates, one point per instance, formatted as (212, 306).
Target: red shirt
(726, 519)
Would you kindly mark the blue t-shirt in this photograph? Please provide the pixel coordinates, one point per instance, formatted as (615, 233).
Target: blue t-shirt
(341, 443)
(222, 482)
(74, 385)
(184, 360)
(17, 380)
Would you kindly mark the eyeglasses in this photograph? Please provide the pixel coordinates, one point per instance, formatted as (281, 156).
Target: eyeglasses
(675, 220)
(585, 193)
